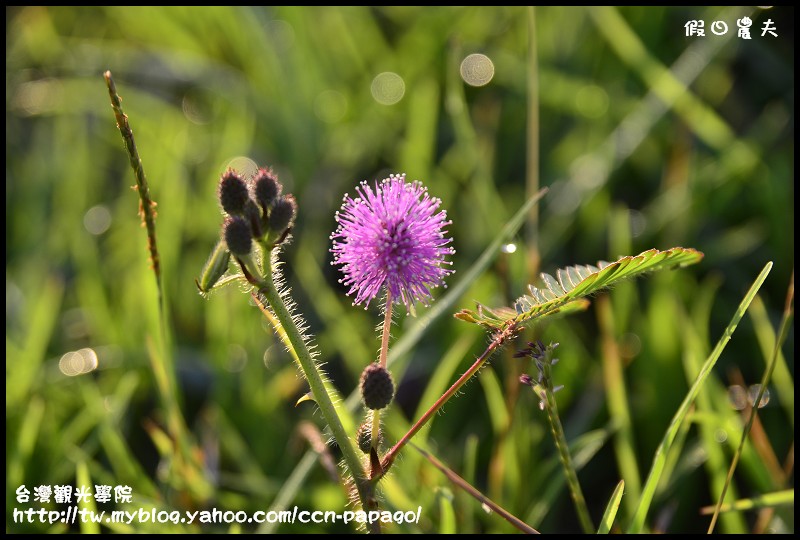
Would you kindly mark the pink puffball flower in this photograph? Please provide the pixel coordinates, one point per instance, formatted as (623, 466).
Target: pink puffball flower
(393, 237)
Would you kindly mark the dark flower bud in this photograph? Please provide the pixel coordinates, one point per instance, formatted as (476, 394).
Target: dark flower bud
(526, 379)
(282, 214)
(377, 387)
(267, 188)
(233, 193)
(238, 236)
(364, 437)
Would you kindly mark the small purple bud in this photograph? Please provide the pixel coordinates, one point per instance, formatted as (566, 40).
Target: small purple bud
(267, 188)
(238, 236)
(233, 193)
(282, 214)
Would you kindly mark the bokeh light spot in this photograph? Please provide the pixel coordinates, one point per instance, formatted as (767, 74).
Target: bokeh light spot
(243, 165)
(78, 362)
(97, 219)
(388, 88)
(477, 69)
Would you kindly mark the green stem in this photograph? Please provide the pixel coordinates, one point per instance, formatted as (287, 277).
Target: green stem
(387, 325)
(315, 382)
(549, 400)
(532, 165)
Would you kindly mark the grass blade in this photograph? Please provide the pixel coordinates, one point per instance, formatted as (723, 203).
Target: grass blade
(82, 478)
(767, 500)
(611, 510)
(659, 460)
(784, 329)
(618, 403)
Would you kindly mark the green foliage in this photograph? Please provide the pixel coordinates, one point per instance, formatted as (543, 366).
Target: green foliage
(575, 282)
(611, 510)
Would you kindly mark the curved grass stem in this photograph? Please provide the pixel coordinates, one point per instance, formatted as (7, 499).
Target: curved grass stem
(549, 402)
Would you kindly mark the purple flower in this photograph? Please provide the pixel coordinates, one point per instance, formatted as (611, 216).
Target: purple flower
(393, 237)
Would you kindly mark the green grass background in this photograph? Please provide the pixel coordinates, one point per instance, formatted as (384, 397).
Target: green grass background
(634, 159)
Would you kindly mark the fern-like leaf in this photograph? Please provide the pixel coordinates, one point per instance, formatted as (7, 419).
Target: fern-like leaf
(564, 292)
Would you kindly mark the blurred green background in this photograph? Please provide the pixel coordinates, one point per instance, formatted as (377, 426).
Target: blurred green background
(646, 138)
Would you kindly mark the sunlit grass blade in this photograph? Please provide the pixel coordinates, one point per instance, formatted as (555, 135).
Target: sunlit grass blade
(659, 459)
(82, 478)
(788, 312)
(767, 500)
(712, 411)
(447, 517)
(669, 85)
(611, 510)
(25, 443)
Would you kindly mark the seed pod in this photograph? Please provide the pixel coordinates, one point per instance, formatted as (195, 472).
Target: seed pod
(215, 267)
(377, 387)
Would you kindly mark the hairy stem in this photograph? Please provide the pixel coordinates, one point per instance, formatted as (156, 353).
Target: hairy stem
(321, 397)
(387, 325)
